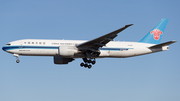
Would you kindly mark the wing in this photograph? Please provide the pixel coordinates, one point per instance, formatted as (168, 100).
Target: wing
(91, 48)
(100, 41)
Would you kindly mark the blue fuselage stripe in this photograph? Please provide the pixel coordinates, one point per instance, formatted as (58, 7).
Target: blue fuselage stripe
(29, 47)
(114, 49)
(6, 48)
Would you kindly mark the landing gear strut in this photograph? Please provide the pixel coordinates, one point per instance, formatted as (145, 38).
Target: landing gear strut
(88, 62)
(17, 57)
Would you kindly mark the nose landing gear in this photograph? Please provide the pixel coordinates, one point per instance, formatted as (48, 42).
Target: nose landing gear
(87, 63)
(17, 57)
(17, 61)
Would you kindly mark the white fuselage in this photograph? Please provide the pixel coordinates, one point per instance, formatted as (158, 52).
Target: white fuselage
(115, 49)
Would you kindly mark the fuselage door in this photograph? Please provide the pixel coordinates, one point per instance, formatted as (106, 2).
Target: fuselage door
(20, 45)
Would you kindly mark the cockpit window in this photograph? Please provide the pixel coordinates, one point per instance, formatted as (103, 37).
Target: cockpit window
(8, 44)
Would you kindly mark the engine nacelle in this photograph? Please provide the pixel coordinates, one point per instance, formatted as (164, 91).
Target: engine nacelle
(67, 51)
(61, 60)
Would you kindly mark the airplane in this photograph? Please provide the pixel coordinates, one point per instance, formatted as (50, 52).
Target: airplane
(65, 51)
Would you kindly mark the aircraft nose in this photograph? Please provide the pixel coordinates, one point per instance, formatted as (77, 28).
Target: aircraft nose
(3, 48)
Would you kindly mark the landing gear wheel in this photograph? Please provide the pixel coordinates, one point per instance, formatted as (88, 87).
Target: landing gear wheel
(93, 62)
(86, 65)
(89, 66)
(82, 64)
(85, 60)
(17, 61)
(89, 61)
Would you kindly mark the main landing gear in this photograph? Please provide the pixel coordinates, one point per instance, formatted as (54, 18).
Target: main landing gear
(88, 62)
(17, 57)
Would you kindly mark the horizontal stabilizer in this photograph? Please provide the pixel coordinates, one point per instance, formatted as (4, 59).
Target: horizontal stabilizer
(163, 44)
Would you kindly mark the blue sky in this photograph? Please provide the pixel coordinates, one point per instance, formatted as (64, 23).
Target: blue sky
(153, 77)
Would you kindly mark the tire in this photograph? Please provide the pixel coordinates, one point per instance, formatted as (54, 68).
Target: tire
(89, 61)
(82, 64)
(86, 65)
(17, 61)
(93, 62)
(89, 66)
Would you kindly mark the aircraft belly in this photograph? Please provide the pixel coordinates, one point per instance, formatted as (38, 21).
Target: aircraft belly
(104, 54)
(126, 53)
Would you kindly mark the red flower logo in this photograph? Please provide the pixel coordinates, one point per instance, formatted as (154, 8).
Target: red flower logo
(156, 33)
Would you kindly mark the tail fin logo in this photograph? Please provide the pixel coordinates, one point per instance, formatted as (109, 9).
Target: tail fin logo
(156, 33)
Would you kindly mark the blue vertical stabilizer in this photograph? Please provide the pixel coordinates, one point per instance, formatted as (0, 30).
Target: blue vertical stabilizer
(155, 35)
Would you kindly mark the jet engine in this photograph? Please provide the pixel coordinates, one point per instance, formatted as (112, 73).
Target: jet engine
(67, 51)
